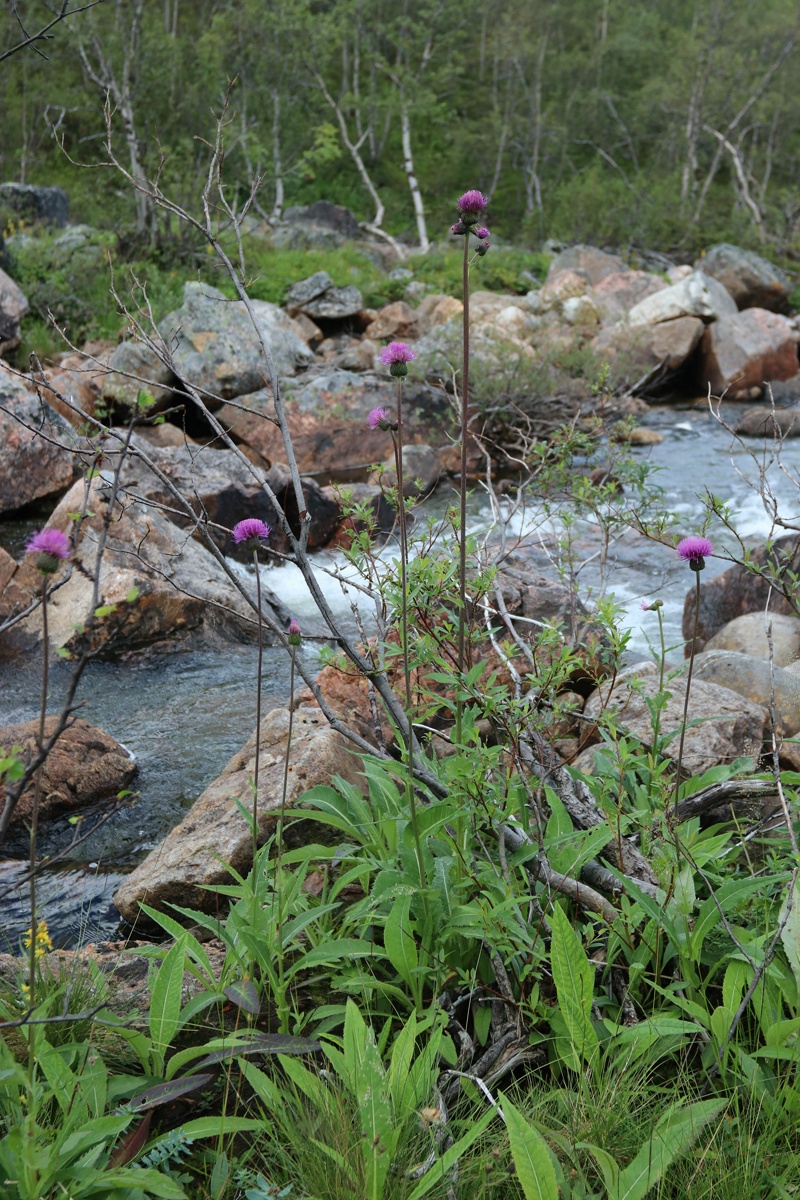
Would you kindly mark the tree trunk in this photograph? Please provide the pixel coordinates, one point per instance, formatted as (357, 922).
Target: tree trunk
(408, 164)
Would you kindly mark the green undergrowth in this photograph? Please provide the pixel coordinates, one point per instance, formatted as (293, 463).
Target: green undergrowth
(74, 286)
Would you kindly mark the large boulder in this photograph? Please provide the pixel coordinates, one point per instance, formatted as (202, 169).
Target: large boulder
(739, 590)
(215, 348)
(79, 380)
(218, 484)
(319, 226)
(422, 469)
(722, 726)
(157, 586)
(318, 297)
(767, 421)
(397, 320)
(697, 295)
(748, 635)
(753, 281)
(616, 294)
(85, 766)
(34, 459)
(592, 263)
(192, 858)
(135, 369)
(650, 355)
(437, 309)
(31, 203)
(13, 306)
(327, 412)
(744, 350)
(751, 677)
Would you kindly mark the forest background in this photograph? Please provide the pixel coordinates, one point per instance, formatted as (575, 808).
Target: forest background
(668, 124)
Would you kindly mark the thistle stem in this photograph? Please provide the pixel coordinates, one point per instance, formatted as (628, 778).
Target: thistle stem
(283, 1008)
(258, 703)
(397, 442)
(688, 686)
(462, 541)
(37, 795)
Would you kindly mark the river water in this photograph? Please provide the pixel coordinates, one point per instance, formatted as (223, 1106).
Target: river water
(185, 714)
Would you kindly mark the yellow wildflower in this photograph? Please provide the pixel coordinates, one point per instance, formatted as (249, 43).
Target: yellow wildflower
(43, 942)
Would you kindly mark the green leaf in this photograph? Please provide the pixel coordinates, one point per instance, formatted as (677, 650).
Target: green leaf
(531, 1156)
(573, 976)
(165, 998)
(399, 941)
(673, 1135)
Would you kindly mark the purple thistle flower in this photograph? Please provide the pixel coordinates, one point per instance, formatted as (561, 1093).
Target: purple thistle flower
(377, 418)
(250, 530)
(49, 541)
(396, 356)
(695, 550)
(644, 606)
(396, 352)
(293, 633)
(472, 203)
(481, 232)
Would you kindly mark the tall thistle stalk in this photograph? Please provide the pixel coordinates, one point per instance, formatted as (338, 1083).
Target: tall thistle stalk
(252, 534)
(694, 550)
(396, 356)
(51, 546)
(471, 206)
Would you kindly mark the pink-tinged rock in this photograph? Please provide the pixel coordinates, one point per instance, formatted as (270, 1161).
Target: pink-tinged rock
(722, 725)
(7, 568)
(13, 306)
(73, 383)
(33, 462)
(616, 294)
(592, 263)
(746, 350)
(651, 353)
(396, 320)
(561, 286)
(697, 295)
(85, 766)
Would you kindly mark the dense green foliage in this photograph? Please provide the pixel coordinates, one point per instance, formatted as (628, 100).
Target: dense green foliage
(669, 123)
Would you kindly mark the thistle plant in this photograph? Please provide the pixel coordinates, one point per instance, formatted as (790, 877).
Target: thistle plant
(51, 547)
(694, 550)
(396, 356)
(252, 534)
(471, 206)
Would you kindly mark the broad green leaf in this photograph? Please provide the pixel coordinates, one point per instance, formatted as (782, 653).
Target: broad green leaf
(673, 1135)
(573, 976)
(165, 997)
(531, 1157)
(399, 941)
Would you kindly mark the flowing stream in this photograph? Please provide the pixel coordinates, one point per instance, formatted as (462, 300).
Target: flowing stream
(185, 714)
